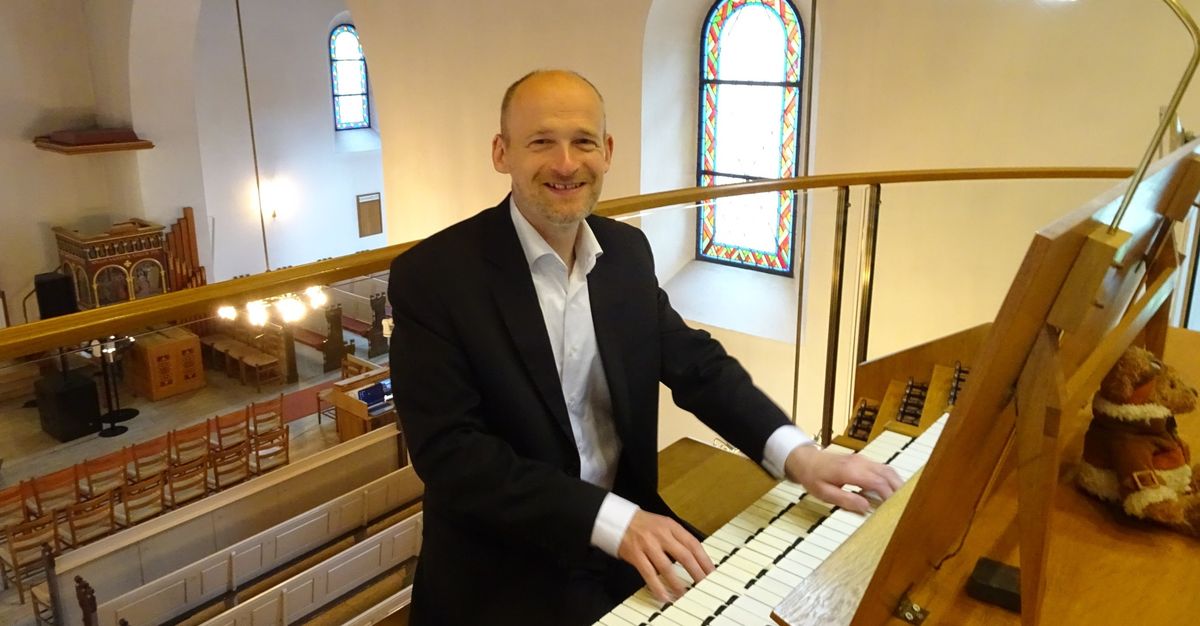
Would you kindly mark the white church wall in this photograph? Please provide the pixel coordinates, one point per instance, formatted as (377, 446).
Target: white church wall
(48, 86)
(444, 69)
(309, 182)
(162, 96)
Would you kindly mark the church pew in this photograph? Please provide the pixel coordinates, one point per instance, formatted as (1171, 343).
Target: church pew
(383, 610)
(157, 547)
(202, 581)
(300, 595)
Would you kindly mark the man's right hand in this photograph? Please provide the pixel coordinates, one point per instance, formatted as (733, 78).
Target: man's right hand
(651, 542)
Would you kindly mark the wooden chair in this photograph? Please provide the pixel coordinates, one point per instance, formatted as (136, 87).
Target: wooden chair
(189, 444)
(229, 467)
(227, 431)
(269, 451)
(149, 458)
(12, 505)
(54, 491)
(141, 501)
(21, 563)
(87, 521)
(43, 606)
(105, 473)
(325, 405)
(262, 367)
(187, 482)
(266, 416)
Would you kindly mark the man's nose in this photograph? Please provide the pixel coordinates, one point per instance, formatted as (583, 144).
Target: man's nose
(564, 162)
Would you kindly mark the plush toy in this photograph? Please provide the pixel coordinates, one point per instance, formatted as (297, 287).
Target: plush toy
(1132, 453)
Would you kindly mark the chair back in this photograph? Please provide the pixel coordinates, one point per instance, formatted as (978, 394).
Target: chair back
(230, 467)
(187, 482)
(22, 562)
(189, 444)
(12, 505)
(54, 491)
(149, 458)
(266, 416)
(105, 473)
(230, 430)
(142, 500)
(270, 451)
(88, 521)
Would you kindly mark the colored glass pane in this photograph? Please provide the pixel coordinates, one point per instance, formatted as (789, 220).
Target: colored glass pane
(348, 73)
(750, 113)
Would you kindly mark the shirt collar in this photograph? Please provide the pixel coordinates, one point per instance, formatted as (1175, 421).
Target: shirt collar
(587, 248)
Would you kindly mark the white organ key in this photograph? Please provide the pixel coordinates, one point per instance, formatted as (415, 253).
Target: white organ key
(848, 518)
(733, 534)
(628, 614)
(877, 455)
(699, 604)
(770, 538)
(792, 488)
(822, 539)
(766, 595)
(614, 620)
(644, 603)
(734, 614)
(774, 586)
(716, 548)
(833, 447)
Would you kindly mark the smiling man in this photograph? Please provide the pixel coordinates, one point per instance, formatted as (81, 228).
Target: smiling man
(528, 348)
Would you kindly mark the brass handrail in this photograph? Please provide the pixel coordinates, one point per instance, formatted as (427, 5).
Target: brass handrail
(131, 317)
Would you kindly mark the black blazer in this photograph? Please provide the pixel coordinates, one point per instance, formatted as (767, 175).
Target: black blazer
(507, 518)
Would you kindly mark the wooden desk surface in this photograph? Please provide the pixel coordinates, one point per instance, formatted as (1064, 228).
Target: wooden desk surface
(706, 486)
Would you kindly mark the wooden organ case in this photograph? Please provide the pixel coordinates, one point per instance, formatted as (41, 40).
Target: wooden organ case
(1000, 481)
(127, 262)
(132, 260)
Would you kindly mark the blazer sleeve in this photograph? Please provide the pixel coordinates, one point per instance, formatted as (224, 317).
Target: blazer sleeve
(472, 475)
(705, 381)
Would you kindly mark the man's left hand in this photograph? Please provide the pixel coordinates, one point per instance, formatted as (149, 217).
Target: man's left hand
(824, 474)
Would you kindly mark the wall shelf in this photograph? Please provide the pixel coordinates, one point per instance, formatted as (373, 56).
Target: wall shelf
(44, 143)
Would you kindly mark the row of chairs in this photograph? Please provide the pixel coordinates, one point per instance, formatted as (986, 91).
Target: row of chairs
(89, 501)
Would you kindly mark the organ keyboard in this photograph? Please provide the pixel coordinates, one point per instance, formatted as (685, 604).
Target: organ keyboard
(769, 548)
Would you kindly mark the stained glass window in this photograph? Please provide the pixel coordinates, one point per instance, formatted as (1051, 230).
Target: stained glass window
(348, 68)
(750, 89)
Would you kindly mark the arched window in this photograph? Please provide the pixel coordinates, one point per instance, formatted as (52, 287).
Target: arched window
(750, 92)
(348, 68)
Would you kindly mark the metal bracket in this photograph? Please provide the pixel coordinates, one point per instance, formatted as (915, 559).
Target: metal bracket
(910, 611)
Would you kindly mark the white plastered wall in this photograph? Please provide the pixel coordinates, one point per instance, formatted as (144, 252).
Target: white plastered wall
(43, 189)
(444, 68)
(310, 178)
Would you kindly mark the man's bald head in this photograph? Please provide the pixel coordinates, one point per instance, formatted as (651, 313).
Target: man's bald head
(512, 90)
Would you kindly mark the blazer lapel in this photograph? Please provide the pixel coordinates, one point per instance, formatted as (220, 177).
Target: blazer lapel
(516, 298)
(608, 319)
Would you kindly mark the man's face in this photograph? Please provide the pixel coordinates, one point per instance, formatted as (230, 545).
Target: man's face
(555, 149)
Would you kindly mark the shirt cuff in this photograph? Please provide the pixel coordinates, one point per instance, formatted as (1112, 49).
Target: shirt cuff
(611, 521)
(779, 445)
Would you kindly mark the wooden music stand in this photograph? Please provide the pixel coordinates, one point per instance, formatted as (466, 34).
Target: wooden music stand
(1079, 299)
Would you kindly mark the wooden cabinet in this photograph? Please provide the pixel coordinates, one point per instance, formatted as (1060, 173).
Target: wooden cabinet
(352, 416)
(165, 363)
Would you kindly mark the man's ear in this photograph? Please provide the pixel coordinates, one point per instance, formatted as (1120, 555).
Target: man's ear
(608, 151)
(499, 154)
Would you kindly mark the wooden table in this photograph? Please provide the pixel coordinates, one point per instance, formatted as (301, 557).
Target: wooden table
(706, 486)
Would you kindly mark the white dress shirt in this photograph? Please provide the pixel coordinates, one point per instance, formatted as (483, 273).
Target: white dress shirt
(566, 308)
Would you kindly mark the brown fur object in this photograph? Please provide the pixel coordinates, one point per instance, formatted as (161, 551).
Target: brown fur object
(1132, 452)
